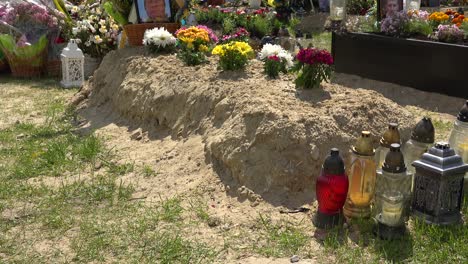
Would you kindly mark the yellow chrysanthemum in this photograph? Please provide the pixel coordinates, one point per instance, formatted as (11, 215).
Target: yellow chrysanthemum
(237, 46)
(203, 48)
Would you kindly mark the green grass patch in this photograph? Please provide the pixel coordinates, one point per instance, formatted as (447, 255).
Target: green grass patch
(280, 239)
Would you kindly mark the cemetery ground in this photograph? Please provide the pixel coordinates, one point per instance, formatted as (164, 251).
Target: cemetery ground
(72, 193)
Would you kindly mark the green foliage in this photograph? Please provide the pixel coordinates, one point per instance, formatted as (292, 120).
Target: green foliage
(116, 15)
(272, 67)
(417, 27)
(260, 26)
(228, 26)
(171, 210)
(359, 7)
(30, 53)
(191, 58)
(282, 240)
(464, 27)
(148, 171)
(311, 76)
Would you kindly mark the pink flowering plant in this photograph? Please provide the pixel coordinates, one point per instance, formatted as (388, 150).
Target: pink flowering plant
(313, 66)
(449, 34)
(241, 34)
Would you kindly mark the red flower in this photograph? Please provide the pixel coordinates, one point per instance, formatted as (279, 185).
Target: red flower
(314, 56)
(274, 57)
(59, 40)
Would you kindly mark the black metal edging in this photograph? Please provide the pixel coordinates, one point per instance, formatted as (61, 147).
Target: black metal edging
(424, 65)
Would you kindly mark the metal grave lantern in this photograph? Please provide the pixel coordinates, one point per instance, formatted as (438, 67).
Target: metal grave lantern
(438, 185)
(392, 195)
(459, 136)
(361, 170)
(72, 65)
(331, 189)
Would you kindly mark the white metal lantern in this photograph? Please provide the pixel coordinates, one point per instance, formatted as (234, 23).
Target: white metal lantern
(72, 65)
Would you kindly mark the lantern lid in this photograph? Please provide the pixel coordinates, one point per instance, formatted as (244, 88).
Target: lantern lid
(363, 145)
(441, 159)
(334, 163)
(390, 136)
(72, 50)
(463, 114)
(394, 161)
(423, 131)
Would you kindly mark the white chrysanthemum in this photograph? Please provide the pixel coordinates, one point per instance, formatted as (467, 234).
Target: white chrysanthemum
(270, 50)
(159, 37)
(284, 55)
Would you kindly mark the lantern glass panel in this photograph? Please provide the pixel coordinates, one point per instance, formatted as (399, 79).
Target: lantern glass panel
(361, 173)
(459, 139)
(413, 150)
(337, 9)
(392, 197)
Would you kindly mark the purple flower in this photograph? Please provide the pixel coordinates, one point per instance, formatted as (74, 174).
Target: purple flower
(393, 25)
(449, 33)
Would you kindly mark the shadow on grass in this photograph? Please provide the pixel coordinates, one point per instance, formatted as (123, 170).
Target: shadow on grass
(395, 250)
(43, 83)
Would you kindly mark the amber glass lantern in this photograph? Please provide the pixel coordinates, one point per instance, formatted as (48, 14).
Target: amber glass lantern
(392, 195)
(459, 136)
(438, 185)
(389, 137)
(361, 169)
(331, 189)
(422, 138)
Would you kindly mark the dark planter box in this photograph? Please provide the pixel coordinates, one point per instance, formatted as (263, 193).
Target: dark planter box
(424, 65)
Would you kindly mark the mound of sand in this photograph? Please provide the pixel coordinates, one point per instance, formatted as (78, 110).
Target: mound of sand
(260, 133)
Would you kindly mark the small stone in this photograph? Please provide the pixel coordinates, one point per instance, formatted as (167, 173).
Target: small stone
(255, 203)
(214, 221)
(137, 135)
(98, 165)
(295, 259)
(20, 136)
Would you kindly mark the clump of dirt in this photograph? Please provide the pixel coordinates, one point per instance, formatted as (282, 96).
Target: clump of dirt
(259, 133)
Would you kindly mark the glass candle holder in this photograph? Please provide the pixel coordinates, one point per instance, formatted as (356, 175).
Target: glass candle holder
(361, 172)
(392, 209)
(459, 140)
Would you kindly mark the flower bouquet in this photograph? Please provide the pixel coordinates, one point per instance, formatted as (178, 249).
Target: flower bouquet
(276, 60)
(159, 40)
(193, 43)
(233, 55)
(97, 32)
(313, 66)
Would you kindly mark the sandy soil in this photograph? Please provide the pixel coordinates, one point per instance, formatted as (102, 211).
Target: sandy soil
(233, 141)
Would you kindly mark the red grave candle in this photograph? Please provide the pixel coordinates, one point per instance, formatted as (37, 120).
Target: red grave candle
(331, 190)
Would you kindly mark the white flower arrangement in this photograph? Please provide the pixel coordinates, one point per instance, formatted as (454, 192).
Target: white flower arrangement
(271, 49)
(159, 39)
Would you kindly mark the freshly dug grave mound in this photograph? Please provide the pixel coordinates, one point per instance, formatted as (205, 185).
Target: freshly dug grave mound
(261, 133)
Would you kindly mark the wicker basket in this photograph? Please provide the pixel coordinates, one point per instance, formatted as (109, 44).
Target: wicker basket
(135, 32)
(24, 68)
(54, 68)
